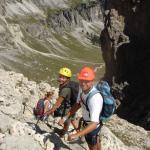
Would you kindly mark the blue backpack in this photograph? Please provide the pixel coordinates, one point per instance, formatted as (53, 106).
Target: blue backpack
(108, 100)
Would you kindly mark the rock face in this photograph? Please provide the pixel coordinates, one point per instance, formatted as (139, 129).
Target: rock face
(130, 136)
(2, 7)
(15, 129)
(125, 46)
(74, 17)
(19, 131)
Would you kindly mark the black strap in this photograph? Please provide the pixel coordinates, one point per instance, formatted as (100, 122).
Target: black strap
(85, 104)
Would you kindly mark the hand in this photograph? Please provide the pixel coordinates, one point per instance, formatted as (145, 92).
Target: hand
(61, 122)
(44, 118)
(72, 137)
(48, 112)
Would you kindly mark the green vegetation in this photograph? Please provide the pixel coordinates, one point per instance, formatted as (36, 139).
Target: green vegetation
(34, 43)
(37, 45)
(19, 1)
(18, 20)
(53, 11)
(9, 20)
(74, 3)
(46, 58)
(77, 48)
(31, 19)
(39, 67)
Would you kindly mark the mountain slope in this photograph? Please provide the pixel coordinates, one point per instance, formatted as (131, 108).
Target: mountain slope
(39, 37)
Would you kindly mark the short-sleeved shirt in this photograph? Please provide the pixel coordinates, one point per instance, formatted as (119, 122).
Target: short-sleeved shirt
(95, 104)
(66, 94)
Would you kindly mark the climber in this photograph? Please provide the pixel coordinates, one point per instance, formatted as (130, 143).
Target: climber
(68, 92)
(91, 116)
(43, 105)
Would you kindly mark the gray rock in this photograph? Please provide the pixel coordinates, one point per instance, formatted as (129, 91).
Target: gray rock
(25, 142)
(5, 123)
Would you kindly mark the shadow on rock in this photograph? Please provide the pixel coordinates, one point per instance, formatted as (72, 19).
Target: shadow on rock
(54, 138)
(36, 128)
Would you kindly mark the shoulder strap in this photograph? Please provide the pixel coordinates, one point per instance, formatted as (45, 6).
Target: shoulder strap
(91, 94)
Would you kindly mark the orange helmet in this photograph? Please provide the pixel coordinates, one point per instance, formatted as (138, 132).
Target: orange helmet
(86, 73)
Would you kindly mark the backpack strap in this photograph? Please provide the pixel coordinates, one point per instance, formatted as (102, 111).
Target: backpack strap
(91, 94)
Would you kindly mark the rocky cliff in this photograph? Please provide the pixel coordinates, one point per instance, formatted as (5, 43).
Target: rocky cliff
(38, 35)
(19, 129)
(125, 46)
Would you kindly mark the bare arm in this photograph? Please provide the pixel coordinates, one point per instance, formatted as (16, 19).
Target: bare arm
(46, 106)
(56, 105)
(91, 126)
(74, 109)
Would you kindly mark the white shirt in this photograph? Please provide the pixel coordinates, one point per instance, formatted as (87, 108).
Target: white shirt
(95, 104)
(49, 104)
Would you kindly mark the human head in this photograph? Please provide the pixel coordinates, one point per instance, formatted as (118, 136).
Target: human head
(48, 95)
(64, 75)
(86, 78)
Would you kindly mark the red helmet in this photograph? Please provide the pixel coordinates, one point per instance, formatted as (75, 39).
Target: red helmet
(86, 73)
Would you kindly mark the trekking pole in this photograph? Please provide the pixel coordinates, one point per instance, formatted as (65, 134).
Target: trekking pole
(37, 122)
(26, 106)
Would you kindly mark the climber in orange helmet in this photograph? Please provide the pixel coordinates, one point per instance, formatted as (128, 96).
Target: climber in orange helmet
(91, 121)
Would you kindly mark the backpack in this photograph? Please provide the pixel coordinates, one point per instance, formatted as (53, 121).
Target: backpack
(39, 109)
(108, 100)
(74, 86)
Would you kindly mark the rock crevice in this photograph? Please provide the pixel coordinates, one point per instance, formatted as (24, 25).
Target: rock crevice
(125, 46)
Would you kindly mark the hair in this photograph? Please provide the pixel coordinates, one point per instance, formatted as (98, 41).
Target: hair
(49, 94)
